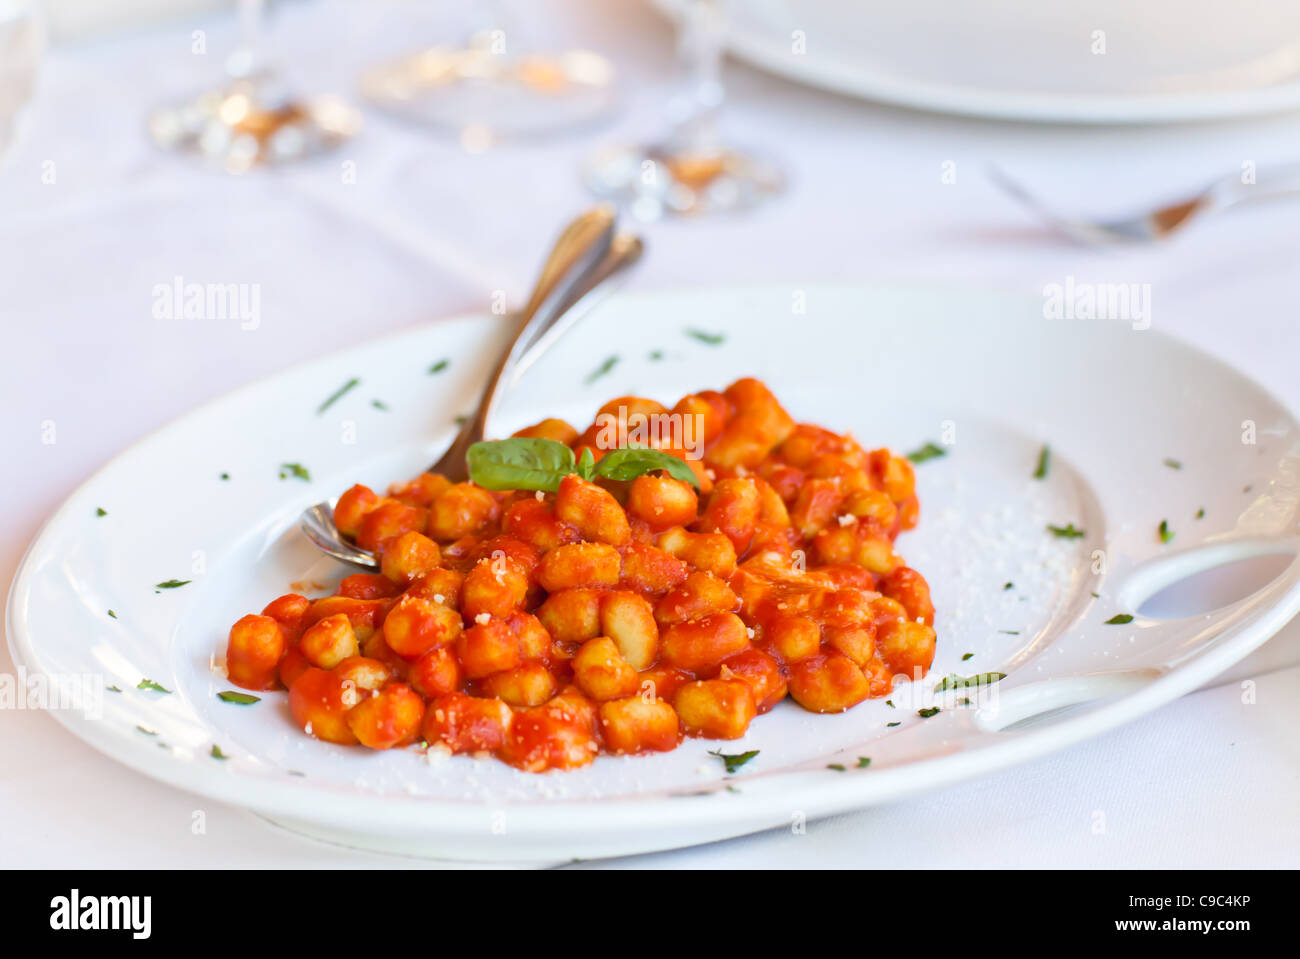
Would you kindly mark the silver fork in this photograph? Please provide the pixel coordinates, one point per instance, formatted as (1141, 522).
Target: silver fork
(579, 270)
(1158, 223)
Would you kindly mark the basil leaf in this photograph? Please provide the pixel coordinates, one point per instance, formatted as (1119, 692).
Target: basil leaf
(629, 463)
(521, 462)
(587, 464)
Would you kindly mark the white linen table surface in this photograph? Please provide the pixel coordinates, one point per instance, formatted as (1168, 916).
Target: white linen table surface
(92, 217)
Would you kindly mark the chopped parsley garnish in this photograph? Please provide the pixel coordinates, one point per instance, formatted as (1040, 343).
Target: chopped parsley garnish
(1044, 462)
(1065, 532)
(927, 713)
(1096, 595)
(839, 768)
(172, 583)
(147, 732)
(1119, 619)
(734, 762)
(603, 370)
(217, 753)
(150, 684)
(1008, 585)
(1166, 534)
(1200, 513)
(1009, 632)
(440, 366)
(112, 615)
(864, 762)
(243, 699)
(114, 689)
(953, 681)
(966, 656)
(296, 470)
(891, 725)
(656, 355)
(225, 476)
(713, 339)
(100, 511)
(379, 405)
(890, 704)
(927, 452)
(1173, 464)
(337, 395)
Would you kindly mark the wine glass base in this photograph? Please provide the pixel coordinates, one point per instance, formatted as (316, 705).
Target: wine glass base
(483, 97)
(248, 123)
(653, 181)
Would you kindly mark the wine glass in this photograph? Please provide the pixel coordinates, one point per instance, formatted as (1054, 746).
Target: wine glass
(21, 41)
(495, 85)
(254, 117)
(692, 169)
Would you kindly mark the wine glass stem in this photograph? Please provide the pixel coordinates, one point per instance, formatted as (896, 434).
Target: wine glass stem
(700, 47)
(248, 57)
(498, 28)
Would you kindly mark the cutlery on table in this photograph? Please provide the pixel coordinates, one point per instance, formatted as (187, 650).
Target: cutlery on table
(584, 260)
(1160, 222)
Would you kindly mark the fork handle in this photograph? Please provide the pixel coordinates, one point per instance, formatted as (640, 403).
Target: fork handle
(1269, 182)
(576, 255)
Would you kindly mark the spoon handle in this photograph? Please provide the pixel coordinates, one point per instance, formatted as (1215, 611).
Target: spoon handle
(575, 257)
(624, 251)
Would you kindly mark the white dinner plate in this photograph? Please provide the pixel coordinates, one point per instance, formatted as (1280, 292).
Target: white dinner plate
(1142, 429)
(1100, 61)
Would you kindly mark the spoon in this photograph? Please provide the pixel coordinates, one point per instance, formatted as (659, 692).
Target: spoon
(559, 299)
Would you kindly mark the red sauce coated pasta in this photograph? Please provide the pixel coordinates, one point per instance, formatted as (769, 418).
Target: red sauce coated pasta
(611, 617)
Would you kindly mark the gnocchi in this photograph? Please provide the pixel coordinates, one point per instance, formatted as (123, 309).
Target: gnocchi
(612, 615)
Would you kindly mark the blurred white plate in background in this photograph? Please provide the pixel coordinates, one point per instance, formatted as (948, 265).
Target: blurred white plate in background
(1124, 61)
(74, 19)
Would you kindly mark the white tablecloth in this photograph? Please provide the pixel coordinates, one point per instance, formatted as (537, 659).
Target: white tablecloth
(91, 218)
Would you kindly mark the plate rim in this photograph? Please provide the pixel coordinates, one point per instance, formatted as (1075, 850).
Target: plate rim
(890, 89)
